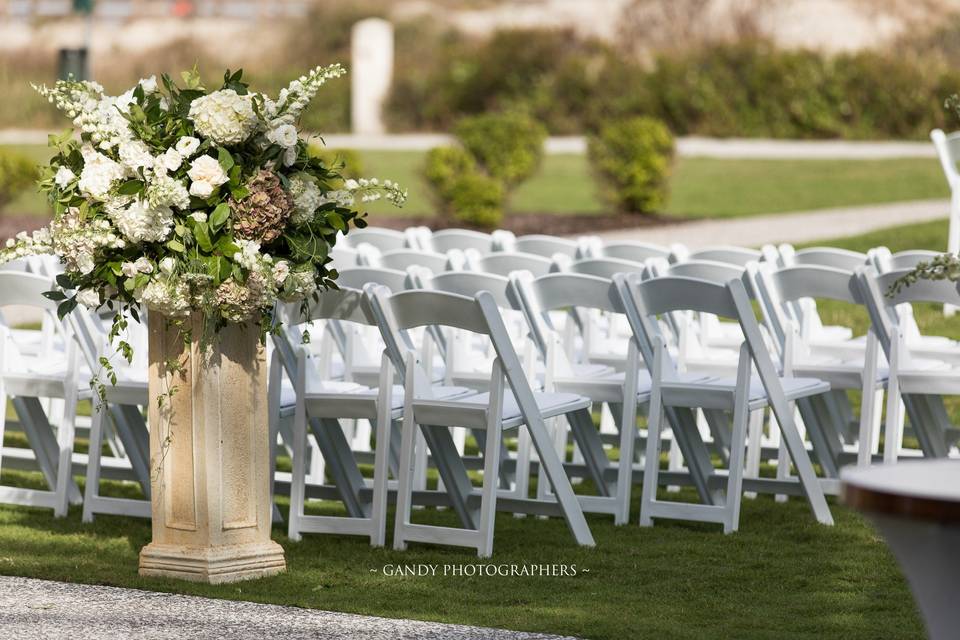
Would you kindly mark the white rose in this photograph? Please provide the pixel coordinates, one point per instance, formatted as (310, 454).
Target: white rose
(199, 216)
(206, 174)
(201, 189)
(284, 135)
(128, 269)
(167, 265)
(171, 159)
(64, 177)
(289, 156)
(187, 146)
(280, 272)
(149, 84)
(143, 265)
(89, 298)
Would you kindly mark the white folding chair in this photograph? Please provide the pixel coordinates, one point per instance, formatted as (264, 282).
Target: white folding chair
(634, 251)
(673, 398)
(948, 150)
(549, 246)
(26, 381)
(462, 240)
(510, 404)
(916, 384)
(383, 239)
(504, 263)
(738, 256)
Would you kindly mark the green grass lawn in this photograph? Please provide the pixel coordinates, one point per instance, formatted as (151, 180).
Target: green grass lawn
(701, 187)
(782, 575)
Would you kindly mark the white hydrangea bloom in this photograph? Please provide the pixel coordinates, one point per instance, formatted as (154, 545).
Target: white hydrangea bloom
(167, 191)
(249, 256)
(134, 155)
(224, 116)
(171, 298)
(139, 222)
(307, 198)
(98, 175)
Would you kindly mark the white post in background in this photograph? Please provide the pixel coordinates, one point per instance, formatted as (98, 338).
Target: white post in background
(371, 74)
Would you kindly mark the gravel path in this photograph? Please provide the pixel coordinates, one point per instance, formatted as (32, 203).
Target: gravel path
(803, 226)
(34, 609)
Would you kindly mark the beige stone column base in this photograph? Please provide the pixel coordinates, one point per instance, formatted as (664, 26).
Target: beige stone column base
(209, 455)
(215, 565)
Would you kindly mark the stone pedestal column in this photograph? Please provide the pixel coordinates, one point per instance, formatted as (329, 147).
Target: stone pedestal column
(371, 74)
(209, 456)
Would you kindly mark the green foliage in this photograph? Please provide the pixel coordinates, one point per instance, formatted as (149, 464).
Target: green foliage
(477, 199)
(346, 162)
(509, 146)
(748, 88)
(17, 173)
(632, 159)
(497, 151)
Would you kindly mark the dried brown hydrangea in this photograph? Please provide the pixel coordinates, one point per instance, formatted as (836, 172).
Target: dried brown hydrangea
(239, 303)
(263, 214)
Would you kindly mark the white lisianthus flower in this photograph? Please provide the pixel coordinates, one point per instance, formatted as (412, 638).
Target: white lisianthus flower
(224, 116)
(139, 222)
(89, 298)
(170, 159)
(64, 177)
(206, 174)
(98, 175)
(123, 101)
(143, 265)
(187, 146)
(290, 156)
(199, 216)
(167, 265)
(284, 135)
(128, 269)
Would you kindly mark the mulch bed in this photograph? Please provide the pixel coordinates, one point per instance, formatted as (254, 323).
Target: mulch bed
(530, 223)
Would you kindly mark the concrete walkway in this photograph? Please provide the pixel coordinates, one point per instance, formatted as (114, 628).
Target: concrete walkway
(802, 226)
(34, 609)
(691, 146)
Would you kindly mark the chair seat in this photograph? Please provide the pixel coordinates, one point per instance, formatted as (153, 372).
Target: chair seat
(840, 374)
(38, 385)
(471, 411)
(940, 380)
(355, 401)
(718, 393)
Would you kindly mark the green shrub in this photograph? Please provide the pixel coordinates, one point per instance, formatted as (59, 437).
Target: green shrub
(477, 200)
(17, 173)
(509, 146)
(347, 160)
(632, 159)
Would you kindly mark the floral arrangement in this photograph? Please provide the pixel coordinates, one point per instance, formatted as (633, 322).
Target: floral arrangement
(186, 200)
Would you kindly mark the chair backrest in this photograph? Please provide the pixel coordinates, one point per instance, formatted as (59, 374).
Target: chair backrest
(462, 239)
(343, 257)
(605, 267)
(739, 256)
(505, 263)
(644, 300)
(882, 260)
(547, 246)
(470, 283)
(880, 301)
(358, 277)
(824, 257)
(383, 239)
(948, 150)
(635, 251)
(402, 259)
(26, 289)
(709, 270)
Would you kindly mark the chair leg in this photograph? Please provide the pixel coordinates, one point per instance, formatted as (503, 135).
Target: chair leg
(754, 448)
(628, 439)
(381, 456)
(65, 435)
(738, 441)
(491, 465)
(893, 433)
(407, 462)
(299, 451)
(651, 467)
(92, 488)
